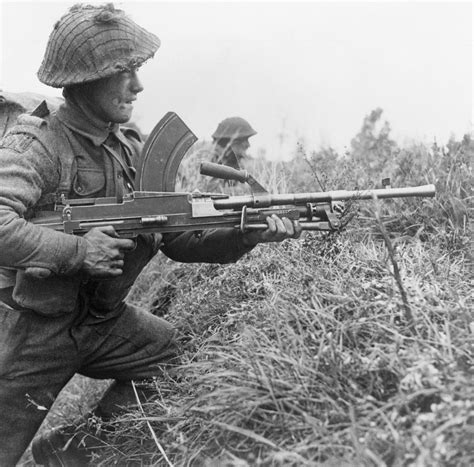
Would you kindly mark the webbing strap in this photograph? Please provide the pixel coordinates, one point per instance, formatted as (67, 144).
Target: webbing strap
(128, 171)
(68, 163)
(6, 298)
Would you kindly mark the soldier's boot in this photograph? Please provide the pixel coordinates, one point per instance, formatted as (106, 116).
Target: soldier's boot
(65, 446)
(74, 445)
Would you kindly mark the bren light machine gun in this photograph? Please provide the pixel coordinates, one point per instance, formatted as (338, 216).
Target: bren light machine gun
(155, 207)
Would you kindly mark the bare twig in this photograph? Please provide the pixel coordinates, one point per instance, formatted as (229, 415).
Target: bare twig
(315, 174)
(396, 270)
(153, 434)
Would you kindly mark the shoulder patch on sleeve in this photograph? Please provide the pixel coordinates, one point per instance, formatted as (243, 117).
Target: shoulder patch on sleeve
(17, 142)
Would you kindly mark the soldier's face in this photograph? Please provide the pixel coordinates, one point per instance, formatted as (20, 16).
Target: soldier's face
(112, 98)
(240, 146)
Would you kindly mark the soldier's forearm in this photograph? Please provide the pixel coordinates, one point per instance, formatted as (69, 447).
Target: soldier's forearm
(210, 246)
(24, 244)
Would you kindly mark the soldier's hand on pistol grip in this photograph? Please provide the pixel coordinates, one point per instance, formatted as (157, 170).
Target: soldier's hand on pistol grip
(105, 252)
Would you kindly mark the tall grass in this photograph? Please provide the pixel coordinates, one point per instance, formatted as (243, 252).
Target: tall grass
(303, 353)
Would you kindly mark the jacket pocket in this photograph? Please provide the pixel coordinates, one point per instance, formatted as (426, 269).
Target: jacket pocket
(88, 182)
(53, 296)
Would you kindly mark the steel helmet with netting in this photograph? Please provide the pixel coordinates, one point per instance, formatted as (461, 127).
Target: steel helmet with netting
(234, 128)
(94, 41)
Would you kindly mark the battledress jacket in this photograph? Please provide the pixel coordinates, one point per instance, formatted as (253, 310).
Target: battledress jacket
(41, 156)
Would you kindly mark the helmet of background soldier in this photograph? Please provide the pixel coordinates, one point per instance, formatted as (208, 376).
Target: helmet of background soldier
(94, 41)
(233, 128)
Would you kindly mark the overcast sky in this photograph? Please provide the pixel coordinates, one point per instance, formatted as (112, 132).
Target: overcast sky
(308, 70)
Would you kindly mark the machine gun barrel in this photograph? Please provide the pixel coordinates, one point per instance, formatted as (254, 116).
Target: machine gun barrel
(143, 211)
(258, 200)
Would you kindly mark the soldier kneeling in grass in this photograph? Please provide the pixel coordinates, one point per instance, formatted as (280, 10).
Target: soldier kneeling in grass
(62, 297)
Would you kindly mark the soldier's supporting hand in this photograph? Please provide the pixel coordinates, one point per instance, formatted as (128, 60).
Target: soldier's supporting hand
(278, 230)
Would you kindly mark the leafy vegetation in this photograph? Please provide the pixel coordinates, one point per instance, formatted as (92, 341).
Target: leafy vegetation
(342, 349)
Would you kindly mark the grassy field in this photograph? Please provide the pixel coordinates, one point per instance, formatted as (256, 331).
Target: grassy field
(345, 349)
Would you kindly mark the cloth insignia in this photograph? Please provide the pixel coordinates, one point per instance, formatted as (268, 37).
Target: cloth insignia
(18, 143)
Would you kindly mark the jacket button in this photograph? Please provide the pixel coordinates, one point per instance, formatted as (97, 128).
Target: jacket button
(119, 175)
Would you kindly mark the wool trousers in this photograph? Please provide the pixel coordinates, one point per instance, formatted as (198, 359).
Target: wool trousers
(40, 354)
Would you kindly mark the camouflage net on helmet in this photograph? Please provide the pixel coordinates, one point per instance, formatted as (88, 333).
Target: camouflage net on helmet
(91, 42)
